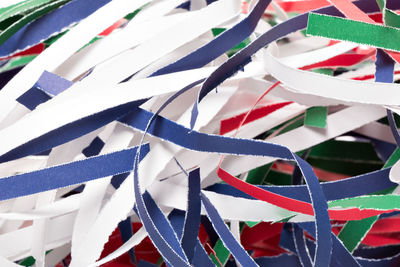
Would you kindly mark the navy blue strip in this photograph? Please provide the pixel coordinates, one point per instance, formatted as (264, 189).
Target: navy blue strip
(125, 228)
(76, 172)
(220, 44)
(286, 241)
(143, 263)
(192, 219)
(351, 187)
(226, 236)
(162, 224)
(179, 135)
(320, 210)
(6, 76)
(69, 132)
(50, 24)
(322, 222)
(340, 254)
(300, 245)
(389, 251)
(200, 258)
(117, 180)
(279, 261)
(242, 58)
(94, 147)
(384, 73)
(33, 98)
(177, 220)
(171, 252)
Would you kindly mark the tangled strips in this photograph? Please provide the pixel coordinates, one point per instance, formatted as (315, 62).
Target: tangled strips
(174, 223)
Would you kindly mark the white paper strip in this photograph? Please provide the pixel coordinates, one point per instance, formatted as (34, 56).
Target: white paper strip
(62, 49)
(331, 87)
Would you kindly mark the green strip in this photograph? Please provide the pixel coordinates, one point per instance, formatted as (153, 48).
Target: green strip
(252, 224)
(354, 232)
(382, 202)
(5, 9)
(393, 158)
(95, 39)
(344, 150)
(222, 253)
(391, 19)
(345, 166)
(17, 62)
(350, 158)
(294, 124)
(28, 261)
(381, 4)
(376, 202)
(290, 124)
(278, 178)
(20, 8)
(258, 175)
(353, 31)
(316, 117)
(328, 72)
(52, 39)
(13, 28)
(160, 261)
(134, 13)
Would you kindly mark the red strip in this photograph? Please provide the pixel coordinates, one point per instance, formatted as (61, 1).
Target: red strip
(293, 204)
(301, 6)
(376, 17)
(285, 202)
(37, 49)
(386, 225)
(215, 254)
(344, 60)
(232, 123)
(380, 240)
(328, 176)
(351, 11)
(269, 247)
(110, 29)
(144, 251)
(321, 174)
(260, 232)
(245, 7)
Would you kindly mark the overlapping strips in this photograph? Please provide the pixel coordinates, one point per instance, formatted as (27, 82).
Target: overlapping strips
(139, 119)
(317, 221)
(368, 34)
(339, 200)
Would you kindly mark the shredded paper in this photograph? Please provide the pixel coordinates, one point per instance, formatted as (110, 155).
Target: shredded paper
(199, 133)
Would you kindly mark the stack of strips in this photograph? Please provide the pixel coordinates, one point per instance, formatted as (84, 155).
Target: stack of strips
(199, 133)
